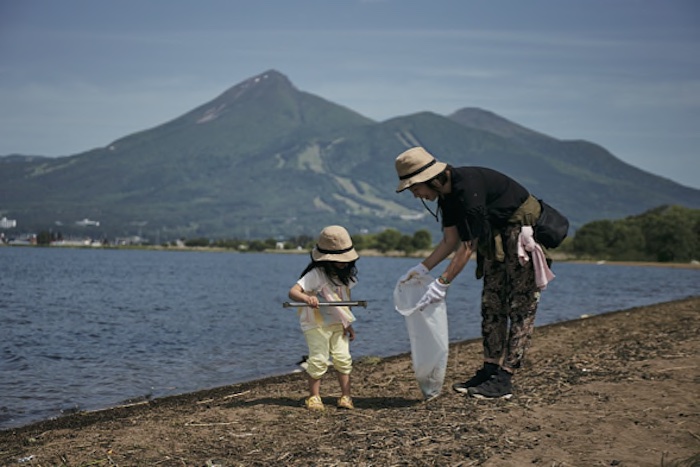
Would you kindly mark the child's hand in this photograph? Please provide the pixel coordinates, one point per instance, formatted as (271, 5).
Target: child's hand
(350, 332)
(312, 301)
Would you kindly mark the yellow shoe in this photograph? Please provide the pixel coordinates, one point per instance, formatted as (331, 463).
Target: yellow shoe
(345, 402)
(314, 403)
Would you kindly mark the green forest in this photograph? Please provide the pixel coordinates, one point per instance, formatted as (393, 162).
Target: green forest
(664, 234)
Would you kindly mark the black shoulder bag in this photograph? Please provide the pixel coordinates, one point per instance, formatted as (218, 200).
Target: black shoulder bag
(551, 227)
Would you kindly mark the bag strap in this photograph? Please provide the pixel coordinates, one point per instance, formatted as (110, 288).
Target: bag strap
(527, 213)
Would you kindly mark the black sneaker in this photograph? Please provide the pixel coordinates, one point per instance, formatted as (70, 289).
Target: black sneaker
(481, 376)
(496, 387)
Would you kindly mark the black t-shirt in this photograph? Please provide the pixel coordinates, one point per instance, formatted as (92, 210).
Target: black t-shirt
(481, 200)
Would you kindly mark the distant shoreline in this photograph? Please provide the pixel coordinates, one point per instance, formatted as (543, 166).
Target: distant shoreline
(695, 265)
(557, 257)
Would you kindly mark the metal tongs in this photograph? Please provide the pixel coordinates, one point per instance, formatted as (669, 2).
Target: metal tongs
(361, 303)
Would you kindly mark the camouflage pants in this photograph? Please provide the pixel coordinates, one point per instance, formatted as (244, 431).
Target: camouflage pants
(508, 304)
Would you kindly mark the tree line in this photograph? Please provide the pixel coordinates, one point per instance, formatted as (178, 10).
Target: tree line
(385, 241)
(663, 234)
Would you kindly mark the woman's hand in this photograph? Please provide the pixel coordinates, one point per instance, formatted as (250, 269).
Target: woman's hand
(436, 293)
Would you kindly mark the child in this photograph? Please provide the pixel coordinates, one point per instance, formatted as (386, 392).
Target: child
(328, 330)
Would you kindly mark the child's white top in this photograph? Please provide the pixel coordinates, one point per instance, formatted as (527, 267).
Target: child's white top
(315, 282)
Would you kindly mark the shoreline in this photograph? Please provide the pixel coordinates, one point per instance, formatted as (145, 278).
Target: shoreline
(557, 257)
(83, 414)
(618, 386)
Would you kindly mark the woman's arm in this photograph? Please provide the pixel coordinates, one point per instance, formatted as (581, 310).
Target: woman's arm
(459, 260)
(451, 242)
(448, 244)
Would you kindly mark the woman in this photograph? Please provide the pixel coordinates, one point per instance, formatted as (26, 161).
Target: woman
(485, 209)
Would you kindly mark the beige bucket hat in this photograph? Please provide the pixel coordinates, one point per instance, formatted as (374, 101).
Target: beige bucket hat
(334, 244)
(416, 165)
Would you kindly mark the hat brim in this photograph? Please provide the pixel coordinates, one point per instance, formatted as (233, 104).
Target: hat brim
(346, 257)
(424, 176)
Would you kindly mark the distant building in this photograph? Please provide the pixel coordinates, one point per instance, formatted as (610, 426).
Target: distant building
(85, 222)
(6, 223)
(132, 240)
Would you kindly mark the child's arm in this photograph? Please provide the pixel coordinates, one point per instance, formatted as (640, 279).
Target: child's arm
(350, 332)
(296, 293)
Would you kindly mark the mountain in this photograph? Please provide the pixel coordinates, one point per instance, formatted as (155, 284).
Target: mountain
(265, 159)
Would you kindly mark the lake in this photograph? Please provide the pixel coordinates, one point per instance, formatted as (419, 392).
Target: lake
(84, 329)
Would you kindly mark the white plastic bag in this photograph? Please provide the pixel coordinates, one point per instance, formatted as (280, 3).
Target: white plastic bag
(427, 331)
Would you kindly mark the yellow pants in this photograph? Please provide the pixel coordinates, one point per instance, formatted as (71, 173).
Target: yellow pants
(325, 342)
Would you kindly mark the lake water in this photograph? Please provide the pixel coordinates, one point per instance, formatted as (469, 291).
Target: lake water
(84, 329)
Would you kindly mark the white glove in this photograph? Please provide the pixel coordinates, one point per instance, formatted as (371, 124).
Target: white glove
(436, 293)
(417, 270)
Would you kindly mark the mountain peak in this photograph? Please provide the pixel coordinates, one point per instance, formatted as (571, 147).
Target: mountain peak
(251, 88)
(485, 120)
(268, 79)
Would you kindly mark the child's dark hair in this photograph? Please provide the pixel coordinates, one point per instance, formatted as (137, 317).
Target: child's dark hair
(344, 275)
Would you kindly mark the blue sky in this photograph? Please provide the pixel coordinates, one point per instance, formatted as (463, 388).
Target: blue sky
(78, 74)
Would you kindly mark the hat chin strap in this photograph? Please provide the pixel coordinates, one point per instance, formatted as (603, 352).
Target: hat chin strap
(434, 214)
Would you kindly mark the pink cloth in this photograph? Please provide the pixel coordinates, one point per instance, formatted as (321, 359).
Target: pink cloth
(526, 243)
(342, 312)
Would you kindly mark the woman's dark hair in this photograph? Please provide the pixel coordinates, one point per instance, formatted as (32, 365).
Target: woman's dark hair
(441, 177)
(344, 275)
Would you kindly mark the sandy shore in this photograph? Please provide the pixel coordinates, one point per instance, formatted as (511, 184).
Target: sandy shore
(619, 389)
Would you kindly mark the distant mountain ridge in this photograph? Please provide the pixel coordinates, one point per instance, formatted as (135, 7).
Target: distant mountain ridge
(264, 159)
